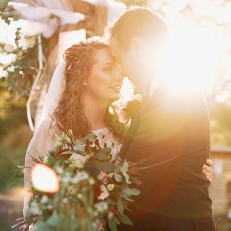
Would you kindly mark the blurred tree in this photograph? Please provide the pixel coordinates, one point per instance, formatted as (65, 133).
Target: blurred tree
(12, 111)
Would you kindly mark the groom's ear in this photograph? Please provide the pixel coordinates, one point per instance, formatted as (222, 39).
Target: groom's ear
(137, 47)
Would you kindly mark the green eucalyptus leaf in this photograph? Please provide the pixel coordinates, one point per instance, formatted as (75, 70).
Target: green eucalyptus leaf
(106, 150)
(126, 177)
(68, 152)
(108, 200)
(120, 206)
(41, 226)
(135, 181)
(40, 156)
(125, 219)
(118, 177)
(102, 156)
(112, 225)
(90, 137)
(53, 221)
(116, 220)
(79, 146)
(131, 191)
(56, 165)
(49, 160)
(124, 167)
(58, 145)
(29, 212)
(106, 166)
(125, 196)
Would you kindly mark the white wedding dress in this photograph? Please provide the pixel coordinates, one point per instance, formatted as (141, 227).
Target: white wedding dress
(44, 140)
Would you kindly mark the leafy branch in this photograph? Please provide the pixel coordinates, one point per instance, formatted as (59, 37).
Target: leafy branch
(23, 67)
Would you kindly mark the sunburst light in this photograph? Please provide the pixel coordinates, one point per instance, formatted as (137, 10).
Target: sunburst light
(192, 59)
(44, 179)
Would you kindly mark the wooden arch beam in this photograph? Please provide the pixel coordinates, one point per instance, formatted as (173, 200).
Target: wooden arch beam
(82, 7)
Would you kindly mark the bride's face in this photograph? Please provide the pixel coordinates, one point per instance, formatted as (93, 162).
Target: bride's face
(105, 80)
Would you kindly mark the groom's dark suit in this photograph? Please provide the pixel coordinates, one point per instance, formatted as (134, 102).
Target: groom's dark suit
(171, 125)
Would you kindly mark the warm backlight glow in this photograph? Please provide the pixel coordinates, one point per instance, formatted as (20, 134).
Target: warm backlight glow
(193, 58)
(126, 90)
(44, 179)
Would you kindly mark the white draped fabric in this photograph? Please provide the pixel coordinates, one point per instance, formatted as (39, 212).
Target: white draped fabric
(45, 17)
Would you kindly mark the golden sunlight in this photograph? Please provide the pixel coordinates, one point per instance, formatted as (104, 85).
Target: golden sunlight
(193, 58)
(44, 179)
(126, 91)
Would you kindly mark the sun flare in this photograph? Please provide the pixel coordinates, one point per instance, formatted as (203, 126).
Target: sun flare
(192, 58)
(44, 178)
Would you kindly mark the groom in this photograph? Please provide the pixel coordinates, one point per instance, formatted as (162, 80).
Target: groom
(171, 129)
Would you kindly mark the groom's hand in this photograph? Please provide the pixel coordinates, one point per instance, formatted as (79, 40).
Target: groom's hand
(208, 170)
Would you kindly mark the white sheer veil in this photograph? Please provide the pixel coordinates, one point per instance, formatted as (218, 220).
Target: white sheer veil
(54, 93)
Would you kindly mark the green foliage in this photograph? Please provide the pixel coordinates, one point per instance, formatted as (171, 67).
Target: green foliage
(12, 111)
(6, 227)
(9, 178)
(21, 72)
(23, 68)
(220, 124)
(7, 12)
(88, 196)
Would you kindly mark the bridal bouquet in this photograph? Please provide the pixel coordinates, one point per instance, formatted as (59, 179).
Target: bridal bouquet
(92, 190)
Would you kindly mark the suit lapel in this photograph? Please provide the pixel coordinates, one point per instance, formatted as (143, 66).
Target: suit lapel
(132, 131)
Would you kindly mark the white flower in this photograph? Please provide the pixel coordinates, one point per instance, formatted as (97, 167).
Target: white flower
(59, 170)
(66, 179)
(65, 200)
(101, 206)
(50, 207)
(91, 181)
(44, 199)
(79, 177)
(110, 215)
(104, 194)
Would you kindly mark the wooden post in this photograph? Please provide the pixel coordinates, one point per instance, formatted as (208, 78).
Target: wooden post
(101, 20)
(52, 42)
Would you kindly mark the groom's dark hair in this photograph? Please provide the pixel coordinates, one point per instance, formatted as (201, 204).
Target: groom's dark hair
(140, 22)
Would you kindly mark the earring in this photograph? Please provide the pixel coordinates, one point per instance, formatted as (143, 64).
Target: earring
(84, 84)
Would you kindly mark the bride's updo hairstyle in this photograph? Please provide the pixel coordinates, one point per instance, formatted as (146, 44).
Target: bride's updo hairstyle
(69, 114)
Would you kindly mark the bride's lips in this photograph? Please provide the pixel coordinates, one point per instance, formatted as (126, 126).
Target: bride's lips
(116, 87)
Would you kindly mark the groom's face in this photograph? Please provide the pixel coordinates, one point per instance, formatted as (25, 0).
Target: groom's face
(128, 60)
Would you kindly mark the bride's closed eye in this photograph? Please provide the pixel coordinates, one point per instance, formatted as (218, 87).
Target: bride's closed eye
(112, 68)
(109, 69)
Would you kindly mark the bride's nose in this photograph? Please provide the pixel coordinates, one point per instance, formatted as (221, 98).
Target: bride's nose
(118, 75)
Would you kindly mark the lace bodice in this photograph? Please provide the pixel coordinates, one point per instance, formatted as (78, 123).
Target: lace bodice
(44, 140)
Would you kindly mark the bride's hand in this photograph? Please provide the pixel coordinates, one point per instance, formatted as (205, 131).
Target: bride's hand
(208, 170)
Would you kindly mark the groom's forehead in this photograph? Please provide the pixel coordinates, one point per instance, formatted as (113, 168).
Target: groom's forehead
(115, 49)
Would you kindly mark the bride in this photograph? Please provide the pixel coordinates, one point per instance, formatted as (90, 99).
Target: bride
(92, 81)
(89, 81)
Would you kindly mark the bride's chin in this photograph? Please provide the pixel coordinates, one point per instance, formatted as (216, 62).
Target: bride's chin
(117, 97)
(113, 99)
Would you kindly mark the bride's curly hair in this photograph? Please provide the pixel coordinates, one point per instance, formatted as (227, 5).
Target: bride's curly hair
(69, 114)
